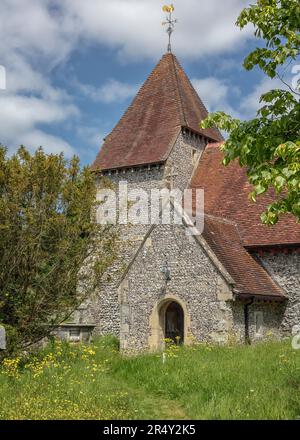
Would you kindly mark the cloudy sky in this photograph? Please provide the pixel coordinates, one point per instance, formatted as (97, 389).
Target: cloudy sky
(73, 66)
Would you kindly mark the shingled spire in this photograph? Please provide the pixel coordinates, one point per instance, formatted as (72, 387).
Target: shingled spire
(146, 132)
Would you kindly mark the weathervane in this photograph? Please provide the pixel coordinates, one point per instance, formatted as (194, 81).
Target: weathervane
(170, 23)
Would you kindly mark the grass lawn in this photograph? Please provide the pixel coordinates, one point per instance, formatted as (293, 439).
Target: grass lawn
(202, 382)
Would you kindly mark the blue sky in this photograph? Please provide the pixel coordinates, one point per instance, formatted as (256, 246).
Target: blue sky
(73, 66)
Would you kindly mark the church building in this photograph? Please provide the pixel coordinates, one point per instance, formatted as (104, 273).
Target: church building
(237, 281)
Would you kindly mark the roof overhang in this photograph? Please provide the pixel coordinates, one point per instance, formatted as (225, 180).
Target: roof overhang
(259, 297)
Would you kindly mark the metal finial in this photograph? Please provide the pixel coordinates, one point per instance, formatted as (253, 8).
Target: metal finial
(170, 23)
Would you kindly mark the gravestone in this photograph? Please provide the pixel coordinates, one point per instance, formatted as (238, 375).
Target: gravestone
(2, 338)
(296, 330)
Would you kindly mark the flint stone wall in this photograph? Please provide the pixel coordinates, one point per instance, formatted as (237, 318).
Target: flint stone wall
(194, 280)
(103, 308)
(285, 270)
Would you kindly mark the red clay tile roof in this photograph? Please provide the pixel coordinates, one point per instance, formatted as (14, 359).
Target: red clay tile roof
(226, 195)
(148, 129)
(249, 276)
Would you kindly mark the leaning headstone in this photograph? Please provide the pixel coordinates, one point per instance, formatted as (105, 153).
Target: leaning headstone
(296, 330)
(2, 338)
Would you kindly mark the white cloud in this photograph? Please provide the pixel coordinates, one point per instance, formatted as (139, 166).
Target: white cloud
(29, 101)
(51, 29)
(36, 36)
(20, 117)
(36, 30)
(250, 104)
(112, 91)
(31, 44)
(218, 95)
(215, 94)
(134, 26)
(51, 144)
(212, 91)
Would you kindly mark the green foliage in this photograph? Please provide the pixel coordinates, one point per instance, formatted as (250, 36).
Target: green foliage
(46, 238)
(199, 382)
(278, 23)
(269, 144)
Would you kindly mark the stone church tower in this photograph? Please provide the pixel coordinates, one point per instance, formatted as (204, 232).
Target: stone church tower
(239, 279)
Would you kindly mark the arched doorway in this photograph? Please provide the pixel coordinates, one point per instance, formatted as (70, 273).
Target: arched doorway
(174, 322)
(169, 309)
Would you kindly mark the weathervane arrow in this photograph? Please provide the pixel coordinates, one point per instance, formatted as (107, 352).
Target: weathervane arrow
(170, 23)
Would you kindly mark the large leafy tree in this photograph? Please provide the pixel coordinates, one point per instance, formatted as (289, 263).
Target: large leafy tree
(51, 254)
(269, 144)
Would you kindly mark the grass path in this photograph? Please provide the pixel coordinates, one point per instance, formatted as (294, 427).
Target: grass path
(202, 382)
